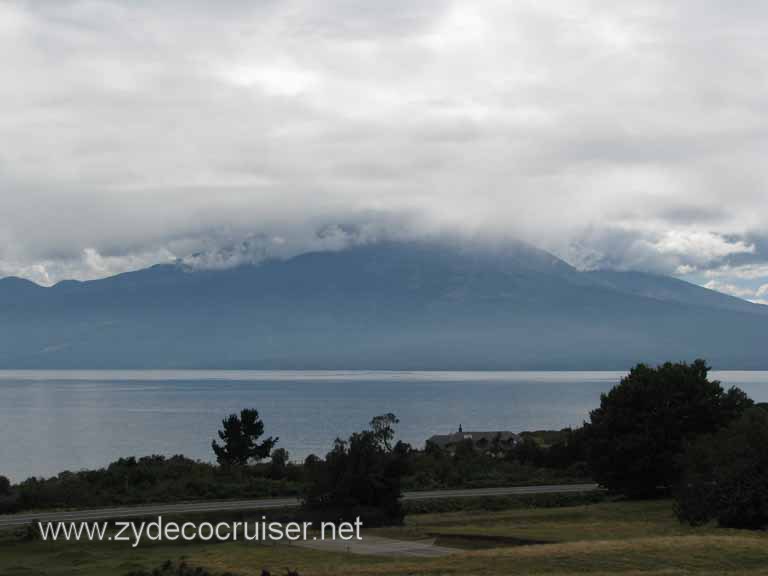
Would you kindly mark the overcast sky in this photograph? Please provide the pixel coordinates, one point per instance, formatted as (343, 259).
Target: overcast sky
(628, 135)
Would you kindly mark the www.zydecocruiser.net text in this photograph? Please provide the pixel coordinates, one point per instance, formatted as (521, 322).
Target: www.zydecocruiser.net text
(159, 530)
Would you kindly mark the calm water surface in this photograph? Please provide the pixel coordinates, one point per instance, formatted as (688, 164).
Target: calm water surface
(68, 420)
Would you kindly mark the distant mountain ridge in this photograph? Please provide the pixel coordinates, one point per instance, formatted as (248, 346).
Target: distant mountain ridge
(389, 305)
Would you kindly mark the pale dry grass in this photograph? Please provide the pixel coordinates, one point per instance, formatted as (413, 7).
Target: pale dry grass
(650, 556)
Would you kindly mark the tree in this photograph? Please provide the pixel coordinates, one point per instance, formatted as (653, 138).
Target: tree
(361, 475)
(383, 428)
(497, 449)
(528, 451)
(239, 436)
(312, 460)
(5, 486)
(725, 475)
(279, 464)
(8, 500)
(635, 438)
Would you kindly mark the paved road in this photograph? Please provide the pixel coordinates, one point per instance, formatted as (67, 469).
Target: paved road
(8, 521)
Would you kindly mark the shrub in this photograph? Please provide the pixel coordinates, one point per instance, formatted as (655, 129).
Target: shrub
(725, 475)
(5, 486)
(151, 479)
(278, 468)
(169, 568)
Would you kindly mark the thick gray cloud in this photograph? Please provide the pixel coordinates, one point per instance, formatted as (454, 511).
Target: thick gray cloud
(621, 134)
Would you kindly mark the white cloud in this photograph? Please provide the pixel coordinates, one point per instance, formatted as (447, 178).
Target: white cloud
(616, 133)
(88, 265)
(746, 292)
(700, 246)
(281, 80)
(743, 272)
(682, 252)
(731, 289)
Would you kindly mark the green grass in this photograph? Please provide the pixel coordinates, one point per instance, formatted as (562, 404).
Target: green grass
(606, 520)
(627, 538)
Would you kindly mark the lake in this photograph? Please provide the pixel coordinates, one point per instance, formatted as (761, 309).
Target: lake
(68, 420)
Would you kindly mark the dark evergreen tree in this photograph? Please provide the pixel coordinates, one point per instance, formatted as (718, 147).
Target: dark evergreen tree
(240, 439)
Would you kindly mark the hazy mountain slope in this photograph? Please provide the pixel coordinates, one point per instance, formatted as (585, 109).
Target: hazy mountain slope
(389, 306)
(671, 289)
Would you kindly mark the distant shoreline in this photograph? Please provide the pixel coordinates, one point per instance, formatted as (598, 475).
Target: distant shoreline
(172, 374)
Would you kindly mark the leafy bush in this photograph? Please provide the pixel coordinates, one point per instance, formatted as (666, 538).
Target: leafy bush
(8, 499)
(169, 568)
(278, 467)
(726, 475)
(5, 486)
(152, 479)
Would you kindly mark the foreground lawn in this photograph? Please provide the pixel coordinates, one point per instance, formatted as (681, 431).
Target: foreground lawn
(607, 538)
(601, 521)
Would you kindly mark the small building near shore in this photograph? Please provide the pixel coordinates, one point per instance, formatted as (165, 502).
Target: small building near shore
(481, 440)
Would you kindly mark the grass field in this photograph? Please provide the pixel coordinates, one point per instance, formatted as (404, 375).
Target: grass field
(605, 538)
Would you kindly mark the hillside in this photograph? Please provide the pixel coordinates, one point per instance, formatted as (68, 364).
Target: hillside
(379, 306)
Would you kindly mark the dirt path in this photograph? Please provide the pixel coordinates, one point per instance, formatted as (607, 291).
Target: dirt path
(378, 546)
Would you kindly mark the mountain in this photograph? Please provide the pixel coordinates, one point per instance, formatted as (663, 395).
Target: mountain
(393, 305)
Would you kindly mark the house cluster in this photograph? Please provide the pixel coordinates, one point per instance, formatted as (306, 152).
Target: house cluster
(492, 441)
